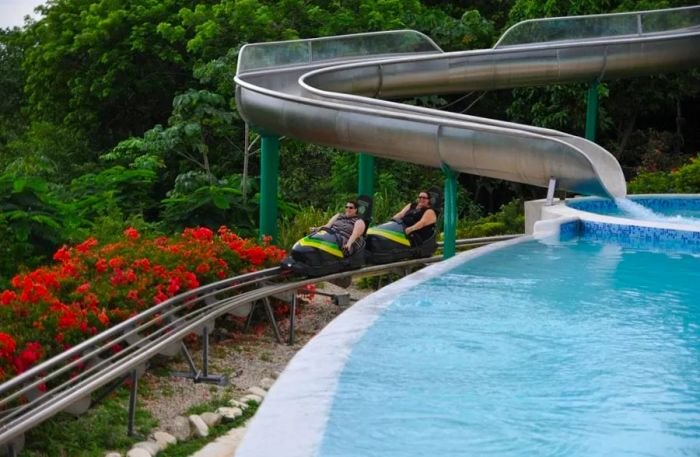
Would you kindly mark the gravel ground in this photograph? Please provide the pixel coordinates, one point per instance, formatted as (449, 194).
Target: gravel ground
(244, 357)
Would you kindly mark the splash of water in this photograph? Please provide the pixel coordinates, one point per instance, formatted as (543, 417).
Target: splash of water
(636, 211)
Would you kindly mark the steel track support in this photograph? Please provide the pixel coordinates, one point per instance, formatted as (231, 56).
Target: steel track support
(269, 175)
(200, 376)
(365, 182)
(449, 246)
(132, 403)
(292, 316)
(592, 111)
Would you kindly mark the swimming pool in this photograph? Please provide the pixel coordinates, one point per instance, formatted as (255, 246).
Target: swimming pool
(576, 348)
(682, 209)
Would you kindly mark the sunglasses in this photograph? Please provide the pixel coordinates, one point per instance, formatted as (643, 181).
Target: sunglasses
(349, 207)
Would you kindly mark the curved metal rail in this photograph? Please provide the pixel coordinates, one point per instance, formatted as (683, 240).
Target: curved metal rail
(336, 101)
(155, 331)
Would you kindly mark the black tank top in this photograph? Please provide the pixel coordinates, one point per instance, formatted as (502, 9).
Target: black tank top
(413, 215)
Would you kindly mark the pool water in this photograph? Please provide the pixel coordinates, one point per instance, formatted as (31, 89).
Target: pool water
(571, 349)
(659, 209)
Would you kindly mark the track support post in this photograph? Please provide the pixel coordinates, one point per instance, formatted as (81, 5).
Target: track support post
(269, 176)
(132, 403)
(365, 182)
(449, 246)
(592, 111)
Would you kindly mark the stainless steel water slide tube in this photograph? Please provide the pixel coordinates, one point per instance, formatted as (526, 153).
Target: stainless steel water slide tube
(303, 90)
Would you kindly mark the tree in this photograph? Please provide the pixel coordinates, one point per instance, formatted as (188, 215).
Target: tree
(104, 67)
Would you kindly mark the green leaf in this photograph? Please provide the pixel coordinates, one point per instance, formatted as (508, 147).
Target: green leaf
(221, 201)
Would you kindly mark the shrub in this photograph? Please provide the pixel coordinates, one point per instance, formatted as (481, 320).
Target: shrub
(686, 179)
(91, 287)
(510, 219)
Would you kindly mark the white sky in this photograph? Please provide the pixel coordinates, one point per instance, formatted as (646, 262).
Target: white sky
(12, 12)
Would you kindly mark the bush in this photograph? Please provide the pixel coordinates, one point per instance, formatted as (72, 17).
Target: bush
(292, 228)
(510, 219)
(686, 179)
(92, 287)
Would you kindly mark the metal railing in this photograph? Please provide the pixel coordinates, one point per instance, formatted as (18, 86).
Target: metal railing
(158, 330)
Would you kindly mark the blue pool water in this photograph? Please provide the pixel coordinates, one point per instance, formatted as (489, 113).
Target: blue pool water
(683, 210)
(574, 349)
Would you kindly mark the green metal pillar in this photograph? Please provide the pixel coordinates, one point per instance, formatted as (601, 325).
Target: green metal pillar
(592, 111)
(365, 182)
(449, 246)
(269, 174)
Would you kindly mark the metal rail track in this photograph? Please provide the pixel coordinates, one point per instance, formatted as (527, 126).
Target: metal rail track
(94, 365)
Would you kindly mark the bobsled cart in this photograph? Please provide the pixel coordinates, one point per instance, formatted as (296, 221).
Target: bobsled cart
(320, 253)
(388, 242)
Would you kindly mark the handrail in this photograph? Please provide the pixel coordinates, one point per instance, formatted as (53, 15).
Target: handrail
(19, 420)
(636, 23)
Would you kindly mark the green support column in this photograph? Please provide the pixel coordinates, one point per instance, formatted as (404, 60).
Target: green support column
(449, 246)
(365, 182)
(269, 174)
(592, 111)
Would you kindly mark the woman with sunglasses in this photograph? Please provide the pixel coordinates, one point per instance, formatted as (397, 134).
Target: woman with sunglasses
(418, 218)
(349, 226)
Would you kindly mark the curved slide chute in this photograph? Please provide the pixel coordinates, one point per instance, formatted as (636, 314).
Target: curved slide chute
(337, 92)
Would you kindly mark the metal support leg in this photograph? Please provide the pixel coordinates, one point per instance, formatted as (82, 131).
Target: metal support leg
(196, 375)
(132, 403)
(271, 318)
(550, 191)
(292, 314)
(449, 247)
(269, 175)
(11, 451)
(205, 352)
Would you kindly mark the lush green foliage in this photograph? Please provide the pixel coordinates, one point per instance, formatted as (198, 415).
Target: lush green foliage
(126, 111)
(684, 180)
(509, 219)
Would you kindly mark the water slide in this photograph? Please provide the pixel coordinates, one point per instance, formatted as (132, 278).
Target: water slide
(338, 92)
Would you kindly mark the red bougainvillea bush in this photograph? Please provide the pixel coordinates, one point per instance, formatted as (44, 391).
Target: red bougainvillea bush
(93, 286)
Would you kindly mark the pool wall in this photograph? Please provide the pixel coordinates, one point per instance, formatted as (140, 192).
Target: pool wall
(304, 392)
(628, 232)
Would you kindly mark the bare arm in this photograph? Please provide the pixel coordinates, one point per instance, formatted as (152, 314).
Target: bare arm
(403, 212)
(357, 231)
(429, 217)
(332, 220)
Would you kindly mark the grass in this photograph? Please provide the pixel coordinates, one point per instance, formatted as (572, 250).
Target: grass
(102, 428)
(188, 448)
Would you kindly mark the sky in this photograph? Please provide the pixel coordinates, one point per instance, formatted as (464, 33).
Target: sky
(12, 12)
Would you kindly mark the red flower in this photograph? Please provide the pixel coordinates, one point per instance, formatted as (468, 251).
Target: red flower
(103, 318)
(62, 255)
(86, 245)
(30, 354)
(7, 297)
(83, 288)
(202, 268)
(174, 286)
(192, 282)
(68, 319)
(116, 262)
(101, 265)
(142, 264)
(7, 345)
(132, 233)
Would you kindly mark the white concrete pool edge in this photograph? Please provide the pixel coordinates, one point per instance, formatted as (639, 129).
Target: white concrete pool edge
(292, 419)
(536, 210)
